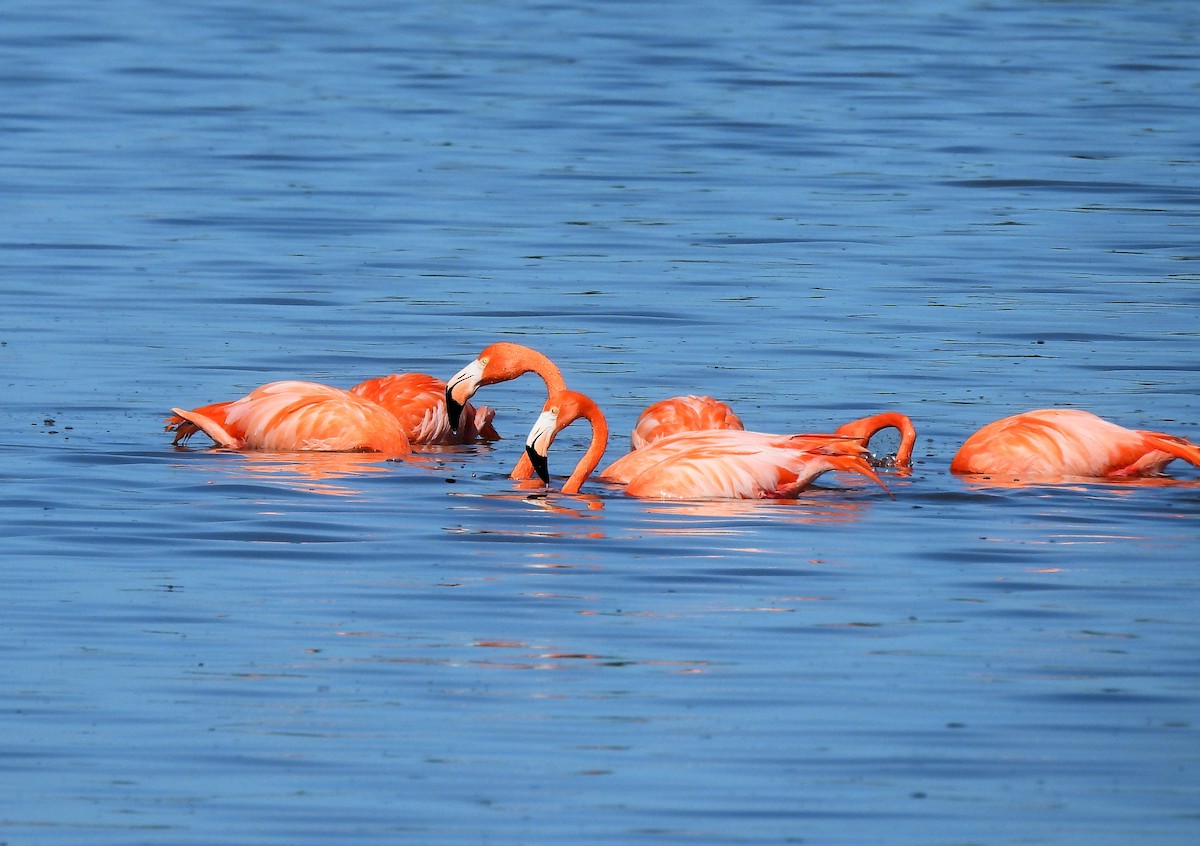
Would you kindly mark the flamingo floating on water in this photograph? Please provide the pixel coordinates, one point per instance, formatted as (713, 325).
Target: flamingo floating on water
(1057, 442)
(292, 415)
(715, 463)
(295, 415)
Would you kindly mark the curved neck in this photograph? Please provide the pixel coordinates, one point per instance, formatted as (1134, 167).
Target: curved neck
(518, 359)
(867, 427)
(595, 450)
(549, 372)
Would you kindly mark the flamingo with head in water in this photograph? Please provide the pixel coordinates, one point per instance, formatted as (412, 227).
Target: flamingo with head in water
(1063, 442)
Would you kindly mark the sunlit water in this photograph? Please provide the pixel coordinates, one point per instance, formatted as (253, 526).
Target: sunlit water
(813, 211)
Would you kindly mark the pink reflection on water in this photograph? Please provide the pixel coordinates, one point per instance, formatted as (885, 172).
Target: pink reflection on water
(312, 472)
(814, 509)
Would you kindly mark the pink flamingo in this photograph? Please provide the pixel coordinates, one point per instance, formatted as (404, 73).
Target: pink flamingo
(1058, 442)
(715, 463)
(291, 415)
(701, 413)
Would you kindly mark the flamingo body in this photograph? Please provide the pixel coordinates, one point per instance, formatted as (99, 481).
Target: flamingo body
(1068, 442)
(717, 463)
(735, 464)
(418, 401)
(291, 415)
(689, 413)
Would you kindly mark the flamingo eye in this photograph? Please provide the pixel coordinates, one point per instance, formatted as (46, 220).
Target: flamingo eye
(554, 410)
(484, 360)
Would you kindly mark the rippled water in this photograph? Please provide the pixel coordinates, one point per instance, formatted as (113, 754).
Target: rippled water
(814, 211)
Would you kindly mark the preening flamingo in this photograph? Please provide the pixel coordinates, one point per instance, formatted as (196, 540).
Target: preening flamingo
(418, 401)
(1061, 442)
(290, 415)
(715, 463)
(500, 362)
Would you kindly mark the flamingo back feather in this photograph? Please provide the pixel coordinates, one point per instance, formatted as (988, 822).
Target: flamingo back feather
(689, 413)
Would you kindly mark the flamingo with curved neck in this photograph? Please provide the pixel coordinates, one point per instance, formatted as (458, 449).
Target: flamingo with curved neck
(868, 427)
(562, 409)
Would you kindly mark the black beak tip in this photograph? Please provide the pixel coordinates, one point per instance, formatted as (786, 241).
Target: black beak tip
(454, 411)
(540, 465)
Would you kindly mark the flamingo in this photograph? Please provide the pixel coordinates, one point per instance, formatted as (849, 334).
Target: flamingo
(500, 362)
(418, 401)
(1057, 442)
(701, 413)
(293, 415)
(715, 463)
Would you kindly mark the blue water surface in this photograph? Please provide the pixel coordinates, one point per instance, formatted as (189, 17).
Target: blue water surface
(959, 210)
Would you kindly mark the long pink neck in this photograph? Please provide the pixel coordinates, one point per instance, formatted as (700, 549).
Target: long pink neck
(868, 427)
(548, 370)
(595, 451)
(528, 360)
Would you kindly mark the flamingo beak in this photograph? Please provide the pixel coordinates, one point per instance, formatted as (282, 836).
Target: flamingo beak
(460, 388)
(454, 411)
(540, 465)
(537, 445)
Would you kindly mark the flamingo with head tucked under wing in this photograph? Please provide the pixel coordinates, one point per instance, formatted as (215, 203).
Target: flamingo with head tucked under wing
(1063, 442)
(714, 463)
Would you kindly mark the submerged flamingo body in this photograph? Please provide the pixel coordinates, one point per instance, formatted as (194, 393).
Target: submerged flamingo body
(418, 401)
(291, 415)
(1068, 442)
(689, 413)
